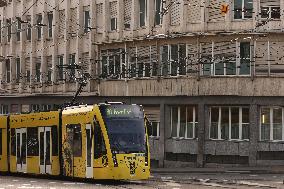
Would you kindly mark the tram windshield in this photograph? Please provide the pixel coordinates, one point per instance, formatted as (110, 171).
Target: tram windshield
(125, 127)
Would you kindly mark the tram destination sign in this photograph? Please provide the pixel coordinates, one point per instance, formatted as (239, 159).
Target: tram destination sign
(126, 111)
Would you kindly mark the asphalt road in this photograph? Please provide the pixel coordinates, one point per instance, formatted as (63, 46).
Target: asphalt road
(157, 181)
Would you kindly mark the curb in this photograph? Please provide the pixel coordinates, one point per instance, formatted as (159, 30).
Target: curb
(165, 171)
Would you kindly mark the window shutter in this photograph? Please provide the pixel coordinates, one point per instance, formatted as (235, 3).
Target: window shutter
(176, 12)
(127, 13)
(62, 23)
(268, 3)
(73, 21)
(214, 10)
(193, 11)
(99, 18)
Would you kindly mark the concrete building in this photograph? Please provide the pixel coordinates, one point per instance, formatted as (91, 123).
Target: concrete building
(209, 73)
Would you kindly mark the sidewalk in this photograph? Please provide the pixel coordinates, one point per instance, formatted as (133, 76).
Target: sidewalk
(244, 170)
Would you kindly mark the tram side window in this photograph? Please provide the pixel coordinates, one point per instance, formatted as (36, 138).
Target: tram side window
(54, 133)
(99, 146)
(1, 141)
(77, 142)
(32, 141)
(13, 142)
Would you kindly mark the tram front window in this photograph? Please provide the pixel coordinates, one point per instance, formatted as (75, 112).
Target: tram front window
(125, 127)
(126, 135)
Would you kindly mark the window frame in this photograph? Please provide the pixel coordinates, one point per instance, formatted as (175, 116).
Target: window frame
(158, 13)
(1, 141)
(195, 123)
(219, 133)
(243, 12)
(271, 124)
(152, 129)
(39, 27)
(142, 23)
(87, 21)
(8, 70)
(270, 12)
(18, 69)
(50, 24)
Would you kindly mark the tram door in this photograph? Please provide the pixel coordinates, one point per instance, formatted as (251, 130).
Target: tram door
(45, 150)
(89, 151)
(21, 150)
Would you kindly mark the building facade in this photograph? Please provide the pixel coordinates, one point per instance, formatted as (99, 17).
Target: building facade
(208, 73)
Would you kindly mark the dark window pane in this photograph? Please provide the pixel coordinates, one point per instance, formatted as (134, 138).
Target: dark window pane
(248, 8)
(89, 147)
(264, 12)
(47, 149)
(235, 123)
(1, 138)
(182, 121)
(214, 123)
(41, 138)
(237, 9)
(54, 133)
(174, 118)
(13, 142)
(99, 147)
(24, 148)
(265, 124)
(77, 143)
(277, 124)
(32, 141)
(275, 12)
(225, 123)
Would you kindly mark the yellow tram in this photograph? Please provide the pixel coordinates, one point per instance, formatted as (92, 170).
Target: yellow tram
(105, 141)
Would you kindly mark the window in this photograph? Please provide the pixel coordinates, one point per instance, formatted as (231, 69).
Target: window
(87, 20)
(270, 12)
(32, 141)
(142, 12)
(49, 68)
(1, 138)
(99, 147)
(9, 29)
(113, 15)
(19, 28)
(158, 12)
(154, 129)
(72, 64)
(35, 108)
(245, 54)
(50, 20)
(243, 9)
(39, 26)
(184, 121)
(29, 28)
(113, 63)
(38, 73)
(271, 124)
(229, 123)
(1, 31)
(54, 137)
(4, 109)
(8, 71)
(270, 9)
(46, 107)
(13, 142)
(60, 67)
(74, 132)
(18, 70)
(127, 13)
(173, 59)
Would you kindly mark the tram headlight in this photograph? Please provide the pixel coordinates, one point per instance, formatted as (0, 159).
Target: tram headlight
(114, 160)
